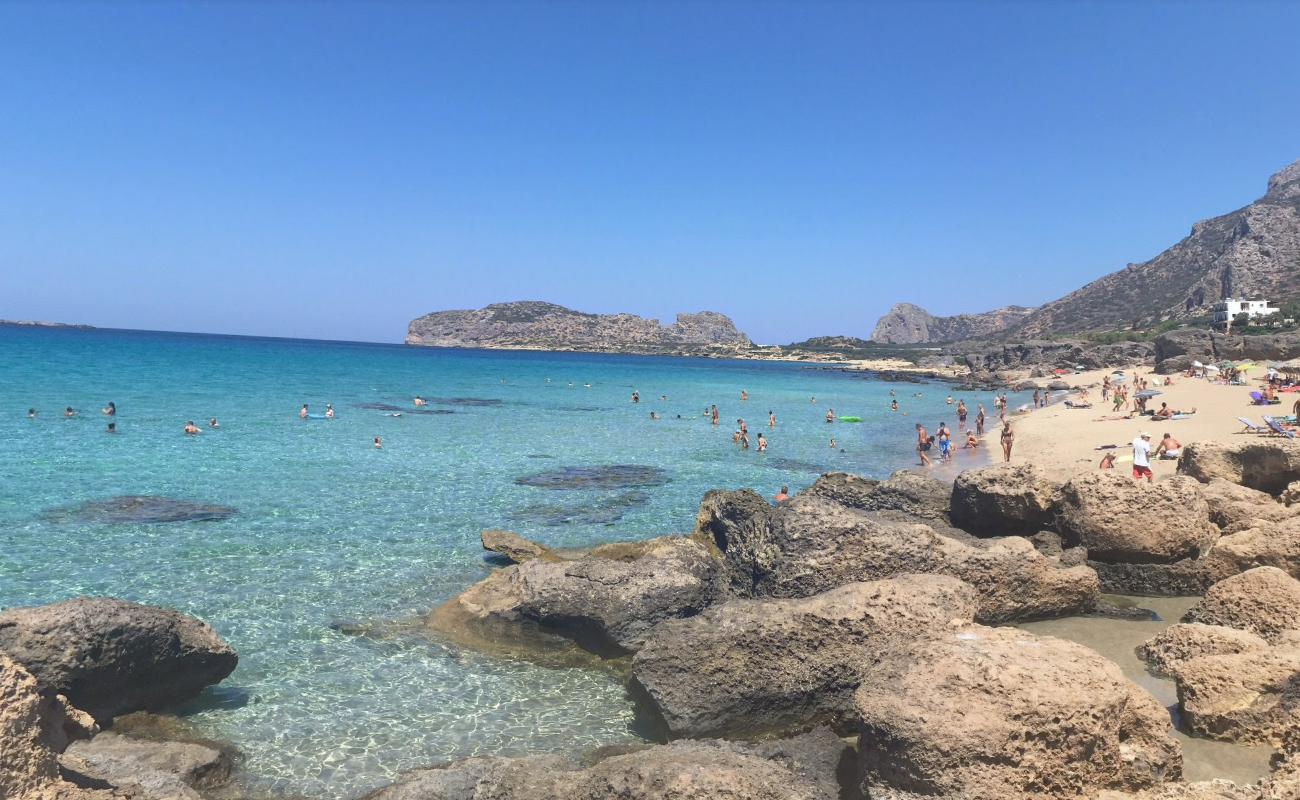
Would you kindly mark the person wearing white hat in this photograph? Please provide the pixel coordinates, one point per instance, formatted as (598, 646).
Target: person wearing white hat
(1142, 457)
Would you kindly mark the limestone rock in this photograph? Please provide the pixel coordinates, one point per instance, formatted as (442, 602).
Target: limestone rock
(751, 667)
(515, 547)
(1003, 500)
(1266, 464)
(1122, 520)
(607, 601)
(800, 768)
(809, 545)
(1252, 696)
(1187, 640)
(1200, 790)
(1001, 713)
(1237, 508)
(110, 656)
(906, 323)
(152, 770)
(1264, 601)
(910, 492)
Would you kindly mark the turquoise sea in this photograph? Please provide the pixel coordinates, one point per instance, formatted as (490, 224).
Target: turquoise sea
(328, 528)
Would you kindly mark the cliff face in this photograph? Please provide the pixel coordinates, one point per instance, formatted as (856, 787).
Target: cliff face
(534, 325)
(909, 324)
(1253, 252)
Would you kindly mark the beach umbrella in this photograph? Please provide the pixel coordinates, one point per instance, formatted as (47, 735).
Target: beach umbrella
(1211, 368)
(1147, 393)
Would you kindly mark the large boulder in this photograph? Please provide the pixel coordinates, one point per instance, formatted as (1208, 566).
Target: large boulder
(1176, 350)
(111, 657)
(801, 768)
(1003, 500)
(750, 667)
(1002, 713)
(35, 726)
(607, 601)
(1122, 520)
(1187, 640)
(1236, 508)
(1266, 464)
(905, 491)
(809, 545)
(150, 770)
(1252, 696)
(1264, 601)
(1266, 543)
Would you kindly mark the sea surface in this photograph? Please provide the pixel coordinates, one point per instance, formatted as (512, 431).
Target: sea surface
(328, 528)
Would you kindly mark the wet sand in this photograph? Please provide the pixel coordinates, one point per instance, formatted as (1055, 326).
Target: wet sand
(1203, 759)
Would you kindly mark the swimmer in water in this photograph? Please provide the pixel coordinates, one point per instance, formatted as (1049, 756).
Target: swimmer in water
(636, 396)
(653, 415)
(744, 395)
(813, 400)
(329, 411)
(31, 413)
(110, 409)
(379, 443)
(191, 429)
(112, 428)
(213, 424)
(893, 405)
(830, 415)
(419, 401)
(833, 443)
(302, 412)
(783, 495)
(69, 412)
(715, 415)
(771, 420)
(762, 444)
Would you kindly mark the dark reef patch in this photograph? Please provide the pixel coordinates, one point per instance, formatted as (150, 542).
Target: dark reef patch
(402, 409)
(472, 402)
(794, 465)
(139, 509)
(600, 511)
(610, 476)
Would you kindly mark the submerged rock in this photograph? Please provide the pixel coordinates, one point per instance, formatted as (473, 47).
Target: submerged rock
(1187, 640)
(800, 768)
(470, 402)
(606, 512)
(138, 509)
(614, 476)
(1004, 500)
(515, 547)
(751, 667)
(607, 601)
(389, 407)
(148, 770)
(1127, 521)
(809, 545)
(1264, 601)
(110, 657)
(999, 712)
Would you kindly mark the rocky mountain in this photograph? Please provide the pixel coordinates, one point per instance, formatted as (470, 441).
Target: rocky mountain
(534, 325)
(1253, 252)
(910, 324)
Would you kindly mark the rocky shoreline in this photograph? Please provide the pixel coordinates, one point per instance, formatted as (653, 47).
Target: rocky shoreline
(851, 642)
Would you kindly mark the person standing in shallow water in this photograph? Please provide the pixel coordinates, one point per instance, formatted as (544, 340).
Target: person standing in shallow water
(922, 444)
(302, 412)
(771, 419)
(1008, 439)
(979, 421)
(715, 414)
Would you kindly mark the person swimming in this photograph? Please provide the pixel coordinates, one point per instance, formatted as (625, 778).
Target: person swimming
(636, 396)
(110, 409)
(191, 429)
(302, 412)
(830, 415)
(69, 412)
(833, 445)
(783, 495)
(419, 401)
(762, 444)
(112, 428)
(771, 419)
(31, 413)
(654, 415)
(329, 411)
(379, 443)
(212, 423)
(744, 395)
(893, 405)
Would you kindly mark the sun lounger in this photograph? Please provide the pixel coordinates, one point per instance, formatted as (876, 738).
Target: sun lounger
(1278, 429)
(1252, 427)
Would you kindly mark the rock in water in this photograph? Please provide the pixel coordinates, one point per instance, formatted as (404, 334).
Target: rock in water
(615, 476)
(1264, 601)
(151, 770)
(584, 512)
(751, 667)
(800, 768)
(515, 547)
(809, 545)
(1267, 465)
(1003, 500)
(607, 601)
(139, 509)
(1242, 697)
(1187, 640)
(1122, 520)
(1001, 713)
(111, 657)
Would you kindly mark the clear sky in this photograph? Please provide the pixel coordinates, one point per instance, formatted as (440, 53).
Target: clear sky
(332, 170)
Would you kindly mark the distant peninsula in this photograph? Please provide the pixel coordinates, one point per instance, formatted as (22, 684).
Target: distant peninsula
(536, 325)
(28, 323)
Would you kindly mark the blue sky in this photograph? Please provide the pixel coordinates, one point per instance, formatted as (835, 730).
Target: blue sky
(332, 170)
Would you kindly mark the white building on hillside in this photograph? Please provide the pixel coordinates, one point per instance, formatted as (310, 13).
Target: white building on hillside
(1229, 308)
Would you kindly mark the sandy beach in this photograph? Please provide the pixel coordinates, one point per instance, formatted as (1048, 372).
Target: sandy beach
(1064, 441)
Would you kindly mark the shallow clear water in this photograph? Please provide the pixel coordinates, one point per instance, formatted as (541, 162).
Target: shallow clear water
(330, 528)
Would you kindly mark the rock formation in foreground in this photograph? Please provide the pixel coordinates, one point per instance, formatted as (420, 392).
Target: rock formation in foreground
(534, 325)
